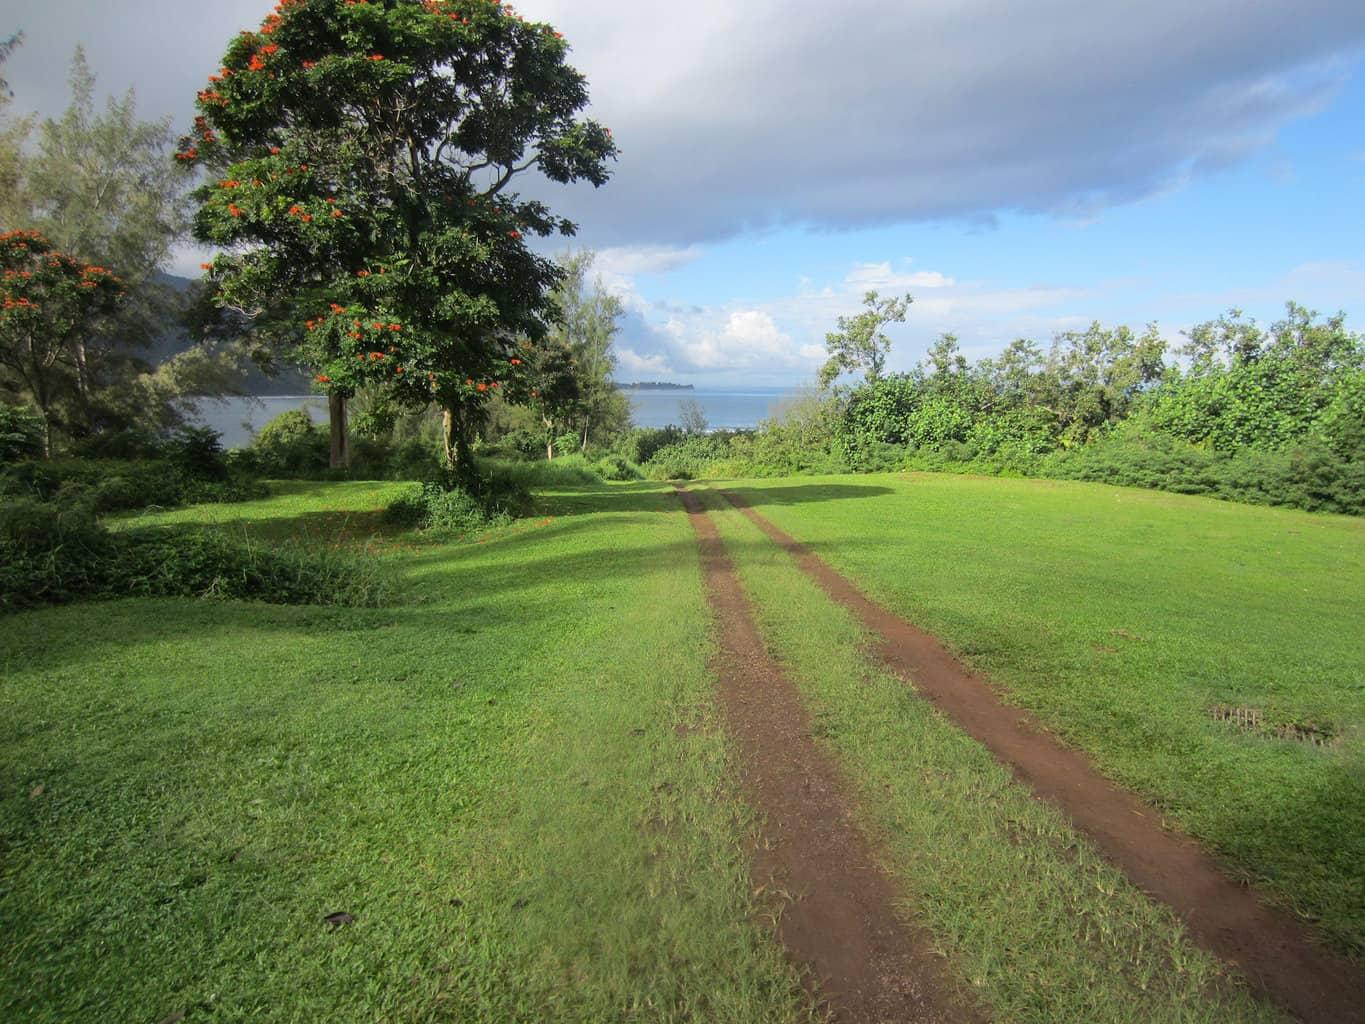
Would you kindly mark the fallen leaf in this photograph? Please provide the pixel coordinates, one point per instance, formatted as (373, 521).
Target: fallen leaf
(338, 919)
(37, 790)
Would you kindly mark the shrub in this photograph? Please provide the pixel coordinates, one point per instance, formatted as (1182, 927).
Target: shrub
(52, 554)
(640, 445)
(696, 455)
(488, 498)
(21, 434)
(117, 485)
(289, 445)
(613, 467)
(198, 453)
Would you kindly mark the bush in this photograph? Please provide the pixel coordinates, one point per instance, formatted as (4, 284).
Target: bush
(21, 434)
(487, 498)
(289, 445)
(126, 445)
(118, 485)
(697, 455)
(640, 445)
(51, 554)
(613, 467)
(198, 453)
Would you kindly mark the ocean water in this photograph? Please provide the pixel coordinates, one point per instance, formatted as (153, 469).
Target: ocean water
(724, 408)
(238, 419)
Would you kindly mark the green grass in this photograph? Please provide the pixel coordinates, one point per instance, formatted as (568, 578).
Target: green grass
(1041, 926)
(513, 780)
(1121, 617)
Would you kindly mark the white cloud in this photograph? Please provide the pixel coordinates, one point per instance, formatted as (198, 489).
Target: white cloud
(782, 340)
(633, 363)
(880, 277)
(644, 259)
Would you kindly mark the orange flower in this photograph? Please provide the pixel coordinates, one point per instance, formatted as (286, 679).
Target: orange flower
(322, 378)
(234, 209)
(376, 56)
(482, 386)
(336, 308)
(206, 266)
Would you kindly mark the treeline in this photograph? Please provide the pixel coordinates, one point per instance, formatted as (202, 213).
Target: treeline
(1270, 415)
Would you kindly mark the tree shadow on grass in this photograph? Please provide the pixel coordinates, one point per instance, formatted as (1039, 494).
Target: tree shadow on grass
(459, 576)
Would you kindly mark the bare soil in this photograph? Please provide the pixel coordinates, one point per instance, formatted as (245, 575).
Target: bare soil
(1278, 954)
(865, 963)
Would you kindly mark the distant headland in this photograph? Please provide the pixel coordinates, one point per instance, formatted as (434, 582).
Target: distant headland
(653, 385)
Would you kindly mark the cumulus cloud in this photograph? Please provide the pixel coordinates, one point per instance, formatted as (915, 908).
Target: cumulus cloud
(781, 341)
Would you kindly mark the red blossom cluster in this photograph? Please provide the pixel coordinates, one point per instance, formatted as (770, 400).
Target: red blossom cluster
(21, 303)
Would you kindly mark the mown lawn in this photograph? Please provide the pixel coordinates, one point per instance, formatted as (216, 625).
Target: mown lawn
(1037, 922)
(1122, 618)
(512, 782)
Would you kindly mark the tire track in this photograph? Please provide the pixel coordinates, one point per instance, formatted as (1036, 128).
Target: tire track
(865, 962)
(1277, 953)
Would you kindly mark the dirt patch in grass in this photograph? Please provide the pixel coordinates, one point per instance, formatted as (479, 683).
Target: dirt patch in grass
(1278, 954)
(836, 919)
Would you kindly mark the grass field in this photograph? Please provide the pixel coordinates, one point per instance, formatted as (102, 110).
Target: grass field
(1039, 923)
(1122, 617)
(515, 783)
(527, 811)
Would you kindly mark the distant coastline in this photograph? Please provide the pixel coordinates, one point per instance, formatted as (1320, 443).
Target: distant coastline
(653, 385)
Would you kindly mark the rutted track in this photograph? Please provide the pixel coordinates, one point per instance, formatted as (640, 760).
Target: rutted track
(868, 964)
(1277, 953)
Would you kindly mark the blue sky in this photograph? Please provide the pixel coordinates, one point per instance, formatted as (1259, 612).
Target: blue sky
(1018, 169)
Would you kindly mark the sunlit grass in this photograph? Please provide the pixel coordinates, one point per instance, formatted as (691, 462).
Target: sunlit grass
(1122, 617)
(512, 781)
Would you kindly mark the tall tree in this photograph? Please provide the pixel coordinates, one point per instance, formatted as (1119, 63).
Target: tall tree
(859, 342)
(49, 300)
(363, 154)
(100, 185)
(587, 322)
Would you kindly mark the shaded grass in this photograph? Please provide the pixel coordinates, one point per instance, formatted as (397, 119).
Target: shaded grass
(1031, 915)
(529, 813)
(1121, 618)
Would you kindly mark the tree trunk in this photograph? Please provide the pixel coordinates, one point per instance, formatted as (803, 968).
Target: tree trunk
(47, 436)
(83, 384)
(459, 457)
(549, 438)
(448, 436)
(340, 454)
(586, 424)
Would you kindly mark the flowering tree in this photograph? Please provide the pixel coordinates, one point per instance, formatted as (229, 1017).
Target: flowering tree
(48, 301)
(363, 152)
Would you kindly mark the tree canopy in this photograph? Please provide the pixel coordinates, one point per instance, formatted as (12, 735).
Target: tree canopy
(859, 342)
(362, 154)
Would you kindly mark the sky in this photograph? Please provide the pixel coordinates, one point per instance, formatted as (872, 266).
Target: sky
(1018, 169)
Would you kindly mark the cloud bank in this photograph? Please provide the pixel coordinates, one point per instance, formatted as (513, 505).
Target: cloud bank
(740, 117)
